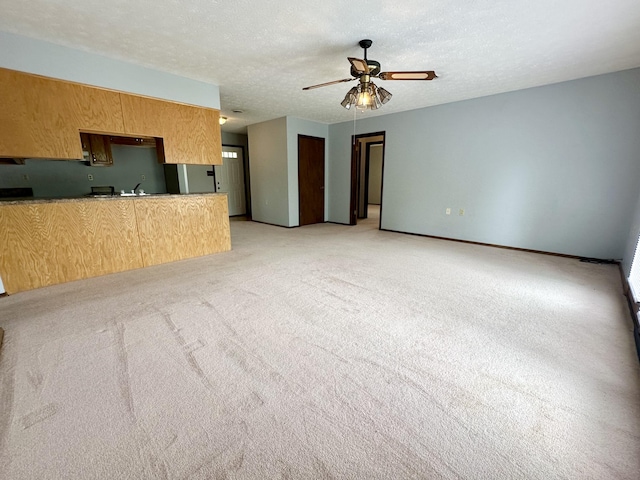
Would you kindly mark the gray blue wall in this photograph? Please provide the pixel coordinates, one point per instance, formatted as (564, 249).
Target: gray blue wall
(66, 178)
(269, 172)
(553, 168)
(48, 59)
(274, 168)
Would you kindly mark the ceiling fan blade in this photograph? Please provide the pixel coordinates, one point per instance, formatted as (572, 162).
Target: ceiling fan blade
(425, 75)
(328, 83)
(359, 65)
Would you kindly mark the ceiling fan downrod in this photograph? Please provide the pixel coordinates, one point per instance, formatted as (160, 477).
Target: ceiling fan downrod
(365, 44)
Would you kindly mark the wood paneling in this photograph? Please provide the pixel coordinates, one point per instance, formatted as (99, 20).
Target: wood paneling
(54, 242)
(179, 227)
(48, 243)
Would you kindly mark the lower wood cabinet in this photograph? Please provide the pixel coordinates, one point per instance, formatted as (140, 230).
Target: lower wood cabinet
(178, 227)
(50, 242)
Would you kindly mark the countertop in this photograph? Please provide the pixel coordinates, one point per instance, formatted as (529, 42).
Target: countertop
(31, 200)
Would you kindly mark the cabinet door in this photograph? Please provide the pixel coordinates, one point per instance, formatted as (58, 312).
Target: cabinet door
(35, 120)
(97, 110)
(144, 116)
(194, 136)
(100, 151)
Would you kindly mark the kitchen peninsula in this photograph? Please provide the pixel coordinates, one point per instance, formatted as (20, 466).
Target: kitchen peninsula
(46, 242)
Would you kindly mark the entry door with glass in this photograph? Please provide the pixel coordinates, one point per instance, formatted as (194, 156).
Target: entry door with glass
(230, 179)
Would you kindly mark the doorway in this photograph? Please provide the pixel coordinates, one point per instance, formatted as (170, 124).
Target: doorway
(367, 165)
(310, 179)
(230, 179)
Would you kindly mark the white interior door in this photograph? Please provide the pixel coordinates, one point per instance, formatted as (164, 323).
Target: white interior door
(230, 179)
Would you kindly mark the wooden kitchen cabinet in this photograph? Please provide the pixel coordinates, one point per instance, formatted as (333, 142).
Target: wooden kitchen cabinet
(46, 242)
(96, 149)
(97, 110)
(195, 135)
(190, 134)
(144, 116)
(182, 226)
(41, 118)
(50, 242)
(35, 118)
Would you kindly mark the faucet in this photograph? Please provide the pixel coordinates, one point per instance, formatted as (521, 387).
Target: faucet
(135, 188)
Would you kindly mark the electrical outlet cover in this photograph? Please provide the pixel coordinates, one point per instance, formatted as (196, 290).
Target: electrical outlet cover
(461, 212)
(447, 211)
(90, 177)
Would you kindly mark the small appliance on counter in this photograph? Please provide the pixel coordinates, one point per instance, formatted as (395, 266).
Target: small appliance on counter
(108, 191)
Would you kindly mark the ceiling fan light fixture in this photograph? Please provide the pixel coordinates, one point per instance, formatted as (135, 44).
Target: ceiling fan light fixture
(350, 98)
(223, 120)
(384, 95)
(365, 98)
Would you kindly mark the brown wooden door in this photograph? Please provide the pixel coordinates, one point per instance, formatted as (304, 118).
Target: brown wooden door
(311, 179)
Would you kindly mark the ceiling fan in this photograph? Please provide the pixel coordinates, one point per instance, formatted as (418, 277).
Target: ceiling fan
(367, 95)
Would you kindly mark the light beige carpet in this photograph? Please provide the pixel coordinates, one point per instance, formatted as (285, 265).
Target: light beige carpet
(325, 352)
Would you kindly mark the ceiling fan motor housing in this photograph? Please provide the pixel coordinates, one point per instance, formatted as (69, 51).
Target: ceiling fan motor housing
(374, 69)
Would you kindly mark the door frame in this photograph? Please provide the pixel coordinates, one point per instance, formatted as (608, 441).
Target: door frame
(247, 182)
(355, 154)
(365, 180)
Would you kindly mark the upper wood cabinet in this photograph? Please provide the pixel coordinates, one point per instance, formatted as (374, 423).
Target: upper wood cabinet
(96, 149)
(42, 118)
(190, 134)
(97, 110)
(35, 119)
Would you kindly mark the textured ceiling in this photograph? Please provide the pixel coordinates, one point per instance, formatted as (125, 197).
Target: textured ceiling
(261, 53)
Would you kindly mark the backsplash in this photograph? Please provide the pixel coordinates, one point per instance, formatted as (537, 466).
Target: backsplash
(64, 178)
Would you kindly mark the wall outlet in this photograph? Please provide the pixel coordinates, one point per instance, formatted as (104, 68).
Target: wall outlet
(25, 177)
(461, 212)
(143, 178)
(447, 211)
(90, 177)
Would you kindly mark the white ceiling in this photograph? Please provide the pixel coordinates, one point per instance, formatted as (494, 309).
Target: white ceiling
(261, 53)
